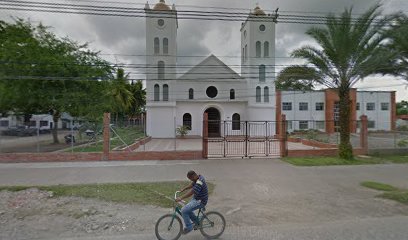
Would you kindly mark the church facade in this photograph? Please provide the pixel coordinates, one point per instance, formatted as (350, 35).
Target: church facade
(214, 88)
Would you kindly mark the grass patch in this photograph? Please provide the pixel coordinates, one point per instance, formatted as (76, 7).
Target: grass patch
(139, 193)
(328, 161)
(399, 196)
(391, 192)
(379, 186)
(128, 135)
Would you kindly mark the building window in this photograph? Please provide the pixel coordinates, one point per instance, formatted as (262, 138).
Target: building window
(370, 106)
(212, 92)
(266, 49)
(232, 94)
(287, 106)
(258, 94)
(262, 73)
(187, 120)
(258, 49)
(156, 46)
(246, 51)
(262, 28)
(156, 92)
(236, 121)
(266, 94)
(242, 55)
(371, 124)
(191, 93)
(4, 123)
(288, 125)
(43, 124)
(160, 70)
(165, 92)
(319, 106)
(160, 22)
(358, 106)
(320, 125)
(303, 125)
(165, 45)
(385, 106)
(303, 106)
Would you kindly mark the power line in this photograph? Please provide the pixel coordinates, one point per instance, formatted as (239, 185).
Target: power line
(124, 12)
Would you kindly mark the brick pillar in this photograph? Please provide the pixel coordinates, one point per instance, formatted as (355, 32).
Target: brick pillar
(364, 134)
(282, 136)
(278, 113)
(205, 135)
(106, 137)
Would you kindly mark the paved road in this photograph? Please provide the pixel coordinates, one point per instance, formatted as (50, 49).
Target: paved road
(261, 198)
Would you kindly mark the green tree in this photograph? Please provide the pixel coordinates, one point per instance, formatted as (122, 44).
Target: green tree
(139, 95)
(402, 108)
(399, 44)
(349, 50)
(41, 73)
(303, 81)
(120, 94)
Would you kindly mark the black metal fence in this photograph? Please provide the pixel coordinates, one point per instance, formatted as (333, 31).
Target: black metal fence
(242, 138)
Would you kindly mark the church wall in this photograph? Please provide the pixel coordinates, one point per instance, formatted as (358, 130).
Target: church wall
(197, 109)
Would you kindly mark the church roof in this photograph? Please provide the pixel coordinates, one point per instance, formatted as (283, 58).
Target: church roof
(161, 6)
(212, 65)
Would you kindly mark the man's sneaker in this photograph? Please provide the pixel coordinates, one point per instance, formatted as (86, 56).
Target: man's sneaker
(185, 231)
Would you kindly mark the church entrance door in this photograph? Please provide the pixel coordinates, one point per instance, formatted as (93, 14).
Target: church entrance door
(214, 122)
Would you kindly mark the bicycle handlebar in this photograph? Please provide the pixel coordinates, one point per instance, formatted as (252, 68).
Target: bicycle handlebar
(175, 197)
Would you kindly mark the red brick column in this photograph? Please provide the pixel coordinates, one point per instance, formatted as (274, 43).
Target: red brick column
(106, 137)
(364, 134)
(278, 108)
(282, 136)
(393, 112)
(205, 135)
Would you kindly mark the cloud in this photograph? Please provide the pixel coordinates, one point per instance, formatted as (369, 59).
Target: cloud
(198, 37)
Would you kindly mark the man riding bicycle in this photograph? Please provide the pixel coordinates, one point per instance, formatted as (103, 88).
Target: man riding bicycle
(200, 191)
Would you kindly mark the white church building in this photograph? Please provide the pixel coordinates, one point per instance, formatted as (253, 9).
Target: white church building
(214, 88)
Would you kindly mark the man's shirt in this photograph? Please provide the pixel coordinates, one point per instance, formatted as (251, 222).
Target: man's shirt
(200, 190)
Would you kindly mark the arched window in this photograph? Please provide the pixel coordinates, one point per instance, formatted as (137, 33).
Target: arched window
(258, 49)
(156, 92)
(160, 70)
(165, 92)
(232, 94)
(266, 49)
(191, 93)
(165, 45)
(266, 94)
(262, 73)
(246, 51)
(258, 94)
(236, 121)
(187, 120)
(156, 45)
(242, 55)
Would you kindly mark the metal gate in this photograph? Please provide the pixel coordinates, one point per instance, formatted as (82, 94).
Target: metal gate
(241, 138)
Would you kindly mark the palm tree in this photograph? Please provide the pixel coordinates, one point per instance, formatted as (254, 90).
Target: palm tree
(121, 98)
(350, 50)
(399, 43)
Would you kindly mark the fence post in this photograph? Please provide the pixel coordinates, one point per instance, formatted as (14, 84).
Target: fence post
(282, 136)
(364, 134)
(106, 136)
(205, 135)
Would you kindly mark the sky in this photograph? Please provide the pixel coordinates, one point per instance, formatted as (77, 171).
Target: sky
(123, 35)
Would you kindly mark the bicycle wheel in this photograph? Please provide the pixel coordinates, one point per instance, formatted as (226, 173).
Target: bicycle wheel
(212, 225)
(168, 227)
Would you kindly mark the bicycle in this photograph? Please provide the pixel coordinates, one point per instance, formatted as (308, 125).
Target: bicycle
(170, 226)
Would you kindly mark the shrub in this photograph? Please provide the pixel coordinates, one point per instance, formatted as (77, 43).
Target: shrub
(182, 130)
